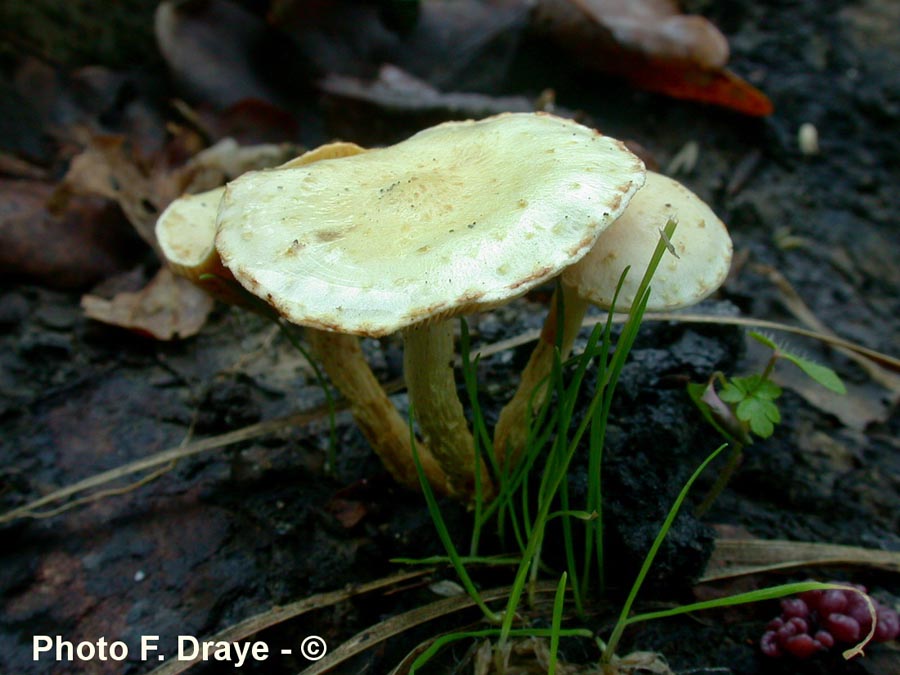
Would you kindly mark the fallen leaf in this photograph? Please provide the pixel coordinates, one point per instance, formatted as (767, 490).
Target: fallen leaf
(347, 511)
(68, 248)
(395, 89)
(658, 28)
(169, 307)
(15, 167)
(249, 121)
(863, 404)
(107, 170)
(652, 45)
(144, 187)
(208, 47)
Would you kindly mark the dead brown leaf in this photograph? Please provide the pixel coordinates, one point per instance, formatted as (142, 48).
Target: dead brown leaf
(15, 167)
(143, 188)
(226, 160)
(106, 169)
(348, 512)
(249, 121)
(658, 28)
(71, 247)
(168, 307)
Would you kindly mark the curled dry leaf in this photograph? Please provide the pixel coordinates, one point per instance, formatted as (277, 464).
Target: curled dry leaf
(347, 512)
(658, 28)
(638, 663)
(106, 169)
(168, 307)
(144, 188)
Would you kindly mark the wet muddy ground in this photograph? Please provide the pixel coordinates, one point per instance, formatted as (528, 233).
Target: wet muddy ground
(231, 532)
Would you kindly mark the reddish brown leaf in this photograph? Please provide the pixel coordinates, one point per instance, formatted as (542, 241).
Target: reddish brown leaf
(653, 46)
(688, 81)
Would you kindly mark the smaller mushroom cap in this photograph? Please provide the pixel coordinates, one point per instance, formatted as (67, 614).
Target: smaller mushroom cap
(460, 217)
(701, 243)
(186, 231)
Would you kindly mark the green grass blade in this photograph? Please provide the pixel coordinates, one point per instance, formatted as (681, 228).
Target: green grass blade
(651, 555)
(444, 535)
(556, 623)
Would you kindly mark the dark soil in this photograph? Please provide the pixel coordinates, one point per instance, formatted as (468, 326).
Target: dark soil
(229, 533)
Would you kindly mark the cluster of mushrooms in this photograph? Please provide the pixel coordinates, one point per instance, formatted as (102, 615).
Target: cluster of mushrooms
(460, 218)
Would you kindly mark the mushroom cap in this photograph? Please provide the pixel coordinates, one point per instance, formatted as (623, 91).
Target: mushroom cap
(460, 217)
(186, 231)
(701, 242)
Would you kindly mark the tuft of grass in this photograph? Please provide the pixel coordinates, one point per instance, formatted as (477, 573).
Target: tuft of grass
(535, 491)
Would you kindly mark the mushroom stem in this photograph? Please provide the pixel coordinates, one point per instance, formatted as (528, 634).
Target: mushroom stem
(387, 432)
(511, 432)
(428, 367)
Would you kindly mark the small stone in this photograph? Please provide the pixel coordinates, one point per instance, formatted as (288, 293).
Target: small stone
(808, 139)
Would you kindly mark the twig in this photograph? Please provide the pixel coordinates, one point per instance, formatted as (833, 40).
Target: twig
(102, 494)
(368, 638)
(161, 458)
(254, 624)
(889, 362)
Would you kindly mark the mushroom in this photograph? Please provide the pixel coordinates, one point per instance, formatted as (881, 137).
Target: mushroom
(459, 218)
(702, 257)
(186, 231)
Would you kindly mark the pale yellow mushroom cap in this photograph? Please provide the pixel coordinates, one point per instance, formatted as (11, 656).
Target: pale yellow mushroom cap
(186, 231)
(701, 243)
(460, 217)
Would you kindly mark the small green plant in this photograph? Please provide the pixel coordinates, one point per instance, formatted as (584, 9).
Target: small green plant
(746, 406)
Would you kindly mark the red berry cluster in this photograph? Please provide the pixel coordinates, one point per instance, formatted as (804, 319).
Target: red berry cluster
(817, 620)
